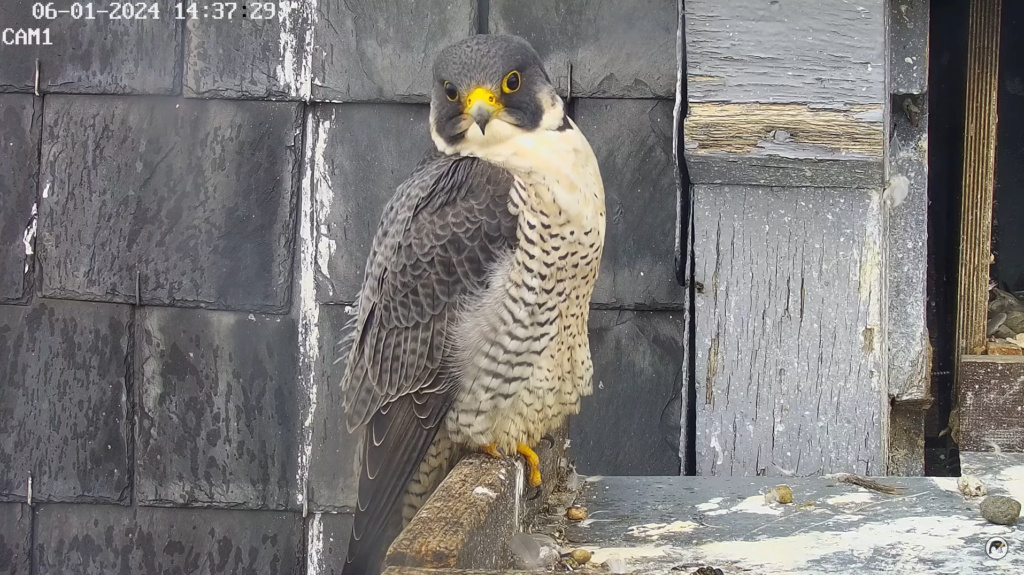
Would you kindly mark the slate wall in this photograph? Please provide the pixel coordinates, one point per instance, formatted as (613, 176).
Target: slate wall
(185, 209)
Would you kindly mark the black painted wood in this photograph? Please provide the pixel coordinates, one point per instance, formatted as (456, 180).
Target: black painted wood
(327, 536)
(334, 454)
(369, 51)
(88, 56)
(630, 425)
(361, 154)
(263, 55)
(97, 540)
(194, 201)
(633, 143)
(15, 538)
(218, 410)
(64, 412)
(617, 49)
(20, 117)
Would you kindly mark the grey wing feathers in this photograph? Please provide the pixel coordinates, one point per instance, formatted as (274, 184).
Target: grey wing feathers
(439, 237)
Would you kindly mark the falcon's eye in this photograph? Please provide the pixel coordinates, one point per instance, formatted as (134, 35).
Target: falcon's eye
(450, 91)
(511, 82)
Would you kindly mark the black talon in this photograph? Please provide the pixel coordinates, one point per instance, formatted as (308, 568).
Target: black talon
(550, 440)
(532, 493)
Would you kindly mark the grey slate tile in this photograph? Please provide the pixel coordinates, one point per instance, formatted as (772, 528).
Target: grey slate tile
(103, 539)
(630, 425)
(333, 467)
(86, 56)
(261, 51)
(327, 535)
(384, 51)
(63, 401)
(20, 117)
(196, 197)
(617, 49)
(15, 538)
(363, 152)
(218, 413)
(633, 143)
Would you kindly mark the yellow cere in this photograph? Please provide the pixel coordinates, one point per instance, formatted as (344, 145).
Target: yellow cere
(485, 96)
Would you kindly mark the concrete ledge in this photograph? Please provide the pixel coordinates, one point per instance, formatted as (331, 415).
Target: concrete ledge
(467, 522)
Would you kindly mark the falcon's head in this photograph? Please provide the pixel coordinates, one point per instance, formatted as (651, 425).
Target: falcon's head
(487, 91)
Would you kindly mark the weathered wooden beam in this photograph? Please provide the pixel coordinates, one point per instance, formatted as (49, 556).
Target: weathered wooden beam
(990, 404)
(978, 174)
(467, 522)
(798, 84)
(785, 142)
(788, 343)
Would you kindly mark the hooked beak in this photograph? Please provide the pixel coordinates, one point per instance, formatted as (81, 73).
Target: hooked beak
(482, 105)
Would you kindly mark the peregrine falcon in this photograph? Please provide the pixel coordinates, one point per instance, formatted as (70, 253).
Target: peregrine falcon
(471, 329)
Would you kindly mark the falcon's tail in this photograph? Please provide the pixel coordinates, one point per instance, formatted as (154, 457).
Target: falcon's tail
(401, 465)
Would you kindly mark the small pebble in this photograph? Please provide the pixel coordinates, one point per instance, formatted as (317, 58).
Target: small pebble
(580, 556)
(576, 513)
(971, 486)
(1000, 510)
(779, 493)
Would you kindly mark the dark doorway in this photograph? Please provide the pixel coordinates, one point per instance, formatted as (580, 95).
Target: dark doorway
(946, 100)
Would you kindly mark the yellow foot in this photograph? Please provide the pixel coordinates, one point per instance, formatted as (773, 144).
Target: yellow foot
(532, 461)
(491, 449)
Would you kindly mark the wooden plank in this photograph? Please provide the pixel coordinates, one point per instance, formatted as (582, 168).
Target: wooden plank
(468, 520)
(793, 51)
(906, 211)
(990, 404)
(788, 331)
(978, 174)
(787, 129)
(908, 46)
(908, 346)
(668, 525)
(795, 88)
(779, 171)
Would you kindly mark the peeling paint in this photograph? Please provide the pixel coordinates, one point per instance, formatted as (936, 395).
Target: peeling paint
(710, 505)
(814, 552)
(295, 72)
(323, 197)
(846, 499)
(1012, 480)
(315, 546)
(309, 316)
(601, 555)
(756, 504)
(654, 530)
(941, 538)
(29, 237)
